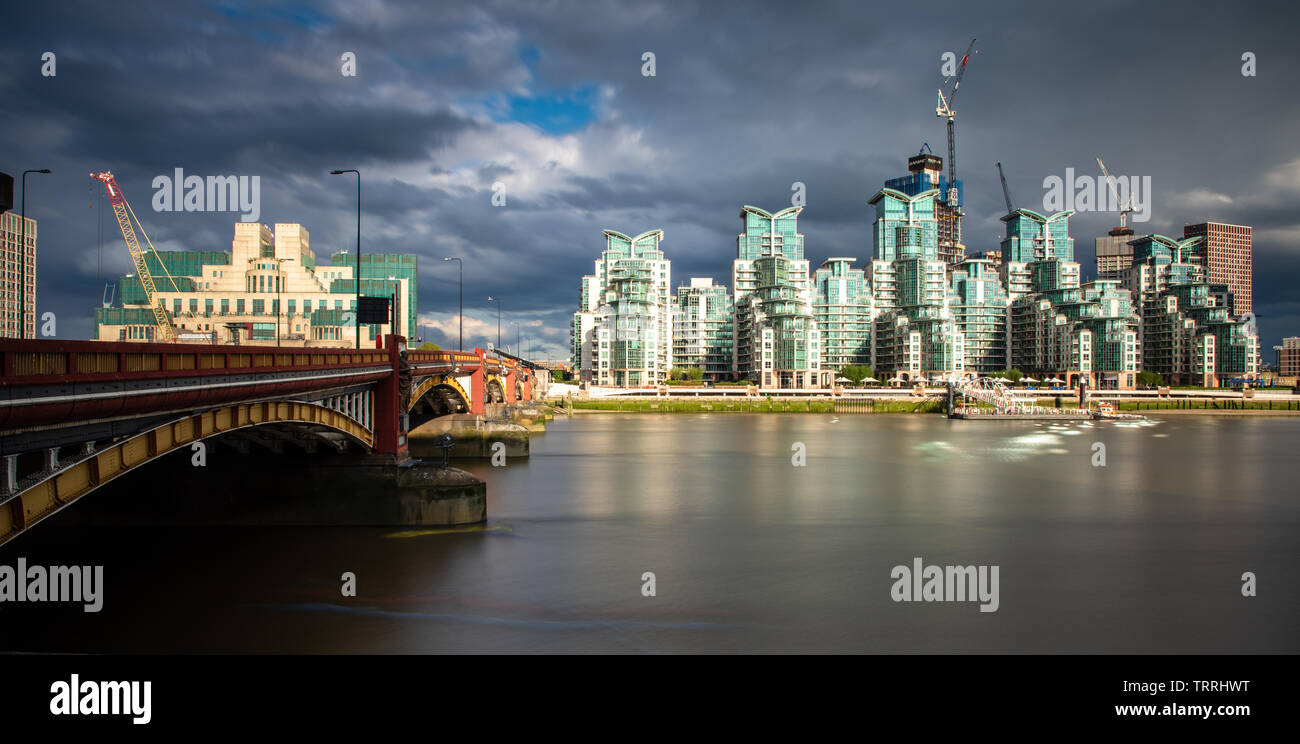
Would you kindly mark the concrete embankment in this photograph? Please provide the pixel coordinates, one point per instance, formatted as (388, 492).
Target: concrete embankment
(477, 437)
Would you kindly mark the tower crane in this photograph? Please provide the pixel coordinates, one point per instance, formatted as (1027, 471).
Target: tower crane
(125, 217)
(1124, 208)
(1006, 192)
(945, 109)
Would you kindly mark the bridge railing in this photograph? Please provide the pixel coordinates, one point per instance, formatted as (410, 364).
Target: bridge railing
(50, 381)
(44, 361)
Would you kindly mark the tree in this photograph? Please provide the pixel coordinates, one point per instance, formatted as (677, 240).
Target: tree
(856, 373)
(429, 346)
(557, 375)
(1149, 379)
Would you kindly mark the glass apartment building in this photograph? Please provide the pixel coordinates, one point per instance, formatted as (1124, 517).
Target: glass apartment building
(622, 333)
(842, 309)
(925, 172)
(915, 316)
(1189, 333)
(702, 332)
(914, 334)
(980, 307)
(777, 343)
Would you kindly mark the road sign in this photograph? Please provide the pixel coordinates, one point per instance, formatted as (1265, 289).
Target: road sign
(373, 310)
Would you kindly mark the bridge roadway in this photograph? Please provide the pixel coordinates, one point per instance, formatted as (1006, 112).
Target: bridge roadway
(76, 414)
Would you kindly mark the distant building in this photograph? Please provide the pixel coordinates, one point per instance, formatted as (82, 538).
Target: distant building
(993, 257)
(1288, 357)
(622, 332)
(914, 334)
(11, 275)
(702, 333)
(1227, 257)
(777, 342)
(980, 305)
(842, 308)
(925, 172)
(1114, 254)
(1190, 334)
(1060, 327)
(267, 290)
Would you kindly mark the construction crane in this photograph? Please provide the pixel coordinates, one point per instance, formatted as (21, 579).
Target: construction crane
(1006, 192)
(1124, 208)
(125, 217)
(945, 109)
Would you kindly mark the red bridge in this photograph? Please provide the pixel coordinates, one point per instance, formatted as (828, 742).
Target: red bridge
(76, 414)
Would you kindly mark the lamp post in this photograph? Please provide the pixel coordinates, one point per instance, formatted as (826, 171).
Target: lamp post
(493, 299)
(22, 258)
(279, 284)
(357, 277)
(460, 311)
(519, 348)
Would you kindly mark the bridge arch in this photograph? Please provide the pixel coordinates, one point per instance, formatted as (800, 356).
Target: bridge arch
(440, 392)
(494, 389)
(61, 488)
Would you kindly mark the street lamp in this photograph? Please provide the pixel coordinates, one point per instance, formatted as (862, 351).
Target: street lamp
(356, 315)
(279, 284)
(22, 258)
(493, 299)
(518, 345)
(460, 312)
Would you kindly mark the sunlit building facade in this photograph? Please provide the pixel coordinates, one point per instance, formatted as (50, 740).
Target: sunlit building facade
(622, 332)
(702, 333)
(842, 309)
(268, 290)
(914, 333)
(776, 340)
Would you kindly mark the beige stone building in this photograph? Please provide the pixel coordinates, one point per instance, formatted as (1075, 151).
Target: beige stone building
(268, 290)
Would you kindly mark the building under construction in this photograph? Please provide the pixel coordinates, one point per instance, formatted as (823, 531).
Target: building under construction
(925, 172)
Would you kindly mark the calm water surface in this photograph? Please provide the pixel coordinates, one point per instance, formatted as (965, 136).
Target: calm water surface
(749, 552)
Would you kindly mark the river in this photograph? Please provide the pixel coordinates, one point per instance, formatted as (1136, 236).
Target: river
(749, 550)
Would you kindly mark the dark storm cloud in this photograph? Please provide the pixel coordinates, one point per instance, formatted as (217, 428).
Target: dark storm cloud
(748, 99)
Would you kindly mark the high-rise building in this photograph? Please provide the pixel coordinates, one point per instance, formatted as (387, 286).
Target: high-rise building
(925, 172)
(702, 333)
(993, 257)
(267, 290)
(980, 306)
(842, 309)
(1189, 333)
(11, 275)
(1288, 357)
(1060, 327)
(777, 342)
(1227, 259)
(622, 332)
(1114, 254)
(914, 333)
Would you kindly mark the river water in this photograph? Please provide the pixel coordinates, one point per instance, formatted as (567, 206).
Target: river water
(749, 551)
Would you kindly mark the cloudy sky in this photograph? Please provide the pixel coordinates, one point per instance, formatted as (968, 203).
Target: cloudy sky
(550, 99)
